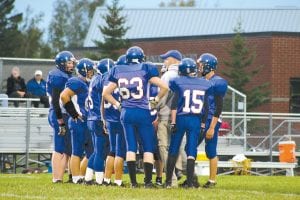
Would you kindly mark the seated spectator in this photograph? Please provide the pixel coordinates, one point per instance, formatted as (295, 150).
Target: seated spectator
(36, 88)
(16, 87)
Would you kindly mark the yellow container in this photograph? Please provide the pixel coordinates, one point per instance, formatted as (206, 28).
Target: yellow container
(201, 156)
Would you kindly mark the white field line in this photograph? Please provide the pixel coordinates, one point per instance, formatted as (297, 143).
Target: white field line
(21, 196)
(259, 192)
(21, 176)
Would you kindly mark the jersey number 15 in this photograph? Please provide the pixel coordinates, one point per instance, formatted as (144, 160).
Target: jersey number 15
(196, 105)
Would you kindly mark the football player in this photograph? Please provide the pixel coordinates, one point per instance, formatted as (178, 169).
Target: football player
(207, 66)
(95, 124)
(117, 149)
(132, 81)
(187, 103)
(58, 119)
(74, 98)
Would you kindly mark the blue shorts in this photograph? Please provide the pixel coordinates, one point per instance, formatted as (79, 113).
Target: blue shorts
(81, 138)
(140, 120)
(62, 144)
(116, 139)
(189, 125)
(210, 145)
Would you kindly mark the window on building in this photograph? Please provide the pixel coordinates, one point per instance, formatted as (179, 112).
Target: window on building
(295, 95)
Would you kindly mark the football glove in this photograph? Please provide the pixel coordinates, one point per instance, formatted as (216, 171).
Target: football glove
(173, 128)
(62, 129)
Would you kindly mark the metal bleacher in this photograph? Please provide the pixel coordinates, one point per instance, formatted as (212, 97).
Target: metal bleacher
(24, 132)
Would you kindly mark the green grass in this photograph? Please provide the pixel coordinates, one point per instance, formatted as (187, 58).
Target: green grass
(39, 186)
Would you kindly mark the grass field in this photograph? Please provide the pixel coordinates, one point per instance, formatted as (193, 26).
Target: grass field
(39, 186)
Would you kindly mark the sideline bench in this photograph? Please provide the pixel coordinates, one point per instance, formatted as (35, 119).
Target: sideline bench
(289, 167)
(19, 126)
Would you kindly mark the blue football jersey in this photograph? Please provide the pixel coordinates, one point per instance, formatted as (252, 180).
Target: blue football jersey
(191, 93)
(56, 80)
(111, 113)
(132, 81)
(220, 88)
(80, 88)
(94, 98)
(153, 91)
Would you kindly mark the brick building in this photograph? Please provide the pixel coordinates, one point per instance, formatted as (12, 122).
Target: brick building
(273, 33)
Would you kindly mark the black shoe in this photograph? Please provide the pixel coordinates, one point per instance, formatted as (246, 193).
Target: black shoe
(209, 184)
(134, 185)
(89, 182)
(80, 181)
(116, 185)
(158, 181)
(168, 185)
(178, 174)
(149, 185)
(196, 183)
(106, 183)
(57, 181)
(185, 185)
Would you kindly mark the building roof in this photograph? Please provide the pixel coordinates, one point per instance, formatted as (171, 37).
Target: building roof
(185, 22)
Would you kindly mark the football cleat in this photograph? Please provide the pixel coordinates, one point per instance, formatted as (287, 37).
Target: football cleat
(209, 184)
(158, 181)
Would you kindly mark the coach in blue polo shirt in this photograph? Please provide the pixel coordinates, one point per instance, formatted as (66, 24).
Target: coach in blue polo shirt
(36, 88)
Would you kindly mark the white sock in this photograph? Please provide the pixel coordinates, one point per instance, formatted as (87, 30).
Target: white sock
(89, 174)
(107, 180)
(75, 179)
(99, 177)
(212, 181)
(118, 182)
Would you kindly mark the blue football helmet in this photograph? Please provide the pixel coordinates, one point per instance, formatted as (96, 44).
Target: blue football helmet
(209, 62)
(104, 65)
(121, 60)
(84, 65)
(62, 58)
(135, 54)
(187, 66)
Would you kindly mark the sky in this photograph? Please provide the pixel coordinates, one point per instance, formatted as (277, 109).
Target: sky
(46, 6)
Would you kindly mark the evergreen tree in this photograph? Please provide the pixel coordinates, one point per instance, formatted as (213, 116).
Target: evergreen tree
(240, 71)
(31, 36)
(113, 32)
(70, 22)
(10, 36)
(58, 25)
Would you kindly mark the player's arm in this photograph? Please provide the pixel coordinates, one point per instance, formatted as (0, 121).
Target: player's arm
(162, 86)
(107, 94)
(174, 105)
(55, 101)
(65, 97)
(219, 106)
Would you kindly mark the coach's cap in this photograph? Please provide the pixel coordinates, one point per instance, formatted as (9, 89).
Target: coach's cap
(172, 53)
(38, 72)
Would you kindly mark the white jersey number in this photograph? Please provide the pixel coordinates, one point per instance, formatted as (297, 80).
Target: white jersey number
(124, 84)
(197, 102)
